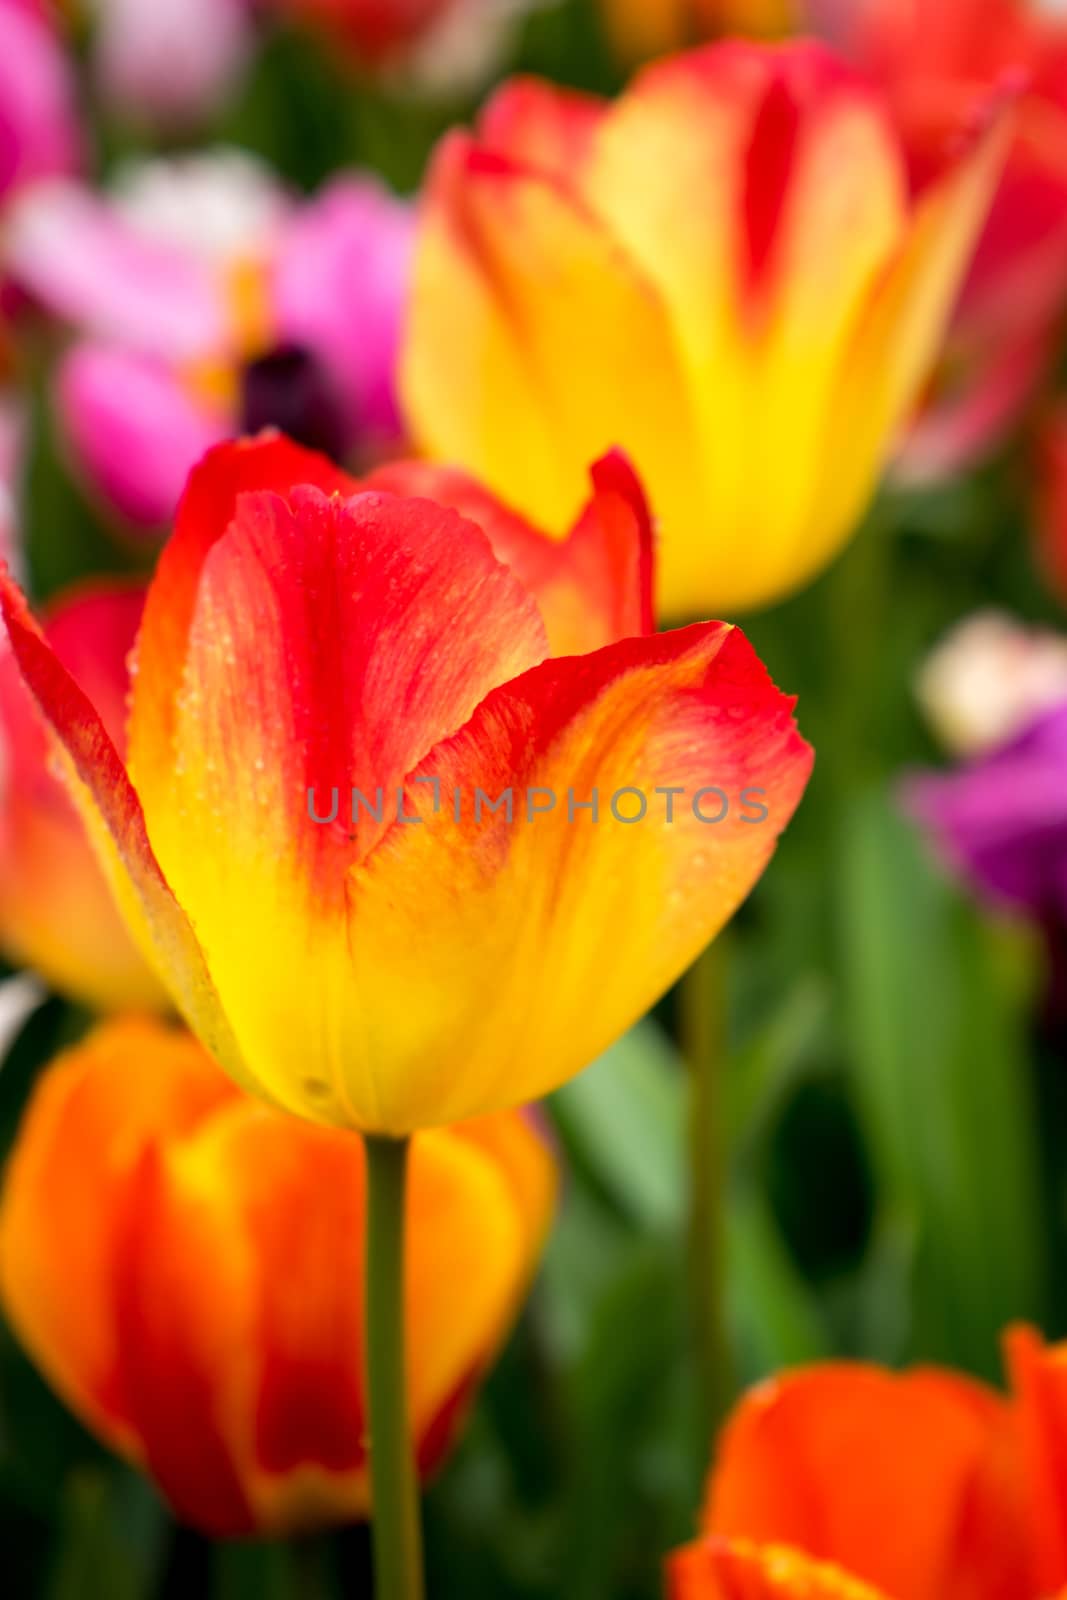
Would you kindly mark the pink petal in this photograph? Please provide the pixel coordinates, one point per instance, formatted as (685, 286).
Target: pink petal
(134, 430)
(340, 286)
(67, 248)
(39, 132)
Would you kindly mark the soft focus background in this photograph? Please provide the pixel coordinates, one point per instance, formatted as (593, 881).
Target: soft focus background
(892, 1050)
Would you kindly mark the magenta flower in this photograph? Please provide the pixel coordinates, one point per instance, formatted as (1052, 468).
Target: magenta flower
(1001, 821)
(208, 302)
(39, 132)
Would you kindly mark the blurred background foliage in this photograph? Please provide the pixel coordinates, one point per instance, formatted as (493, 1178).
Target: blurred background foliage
(895, 1116)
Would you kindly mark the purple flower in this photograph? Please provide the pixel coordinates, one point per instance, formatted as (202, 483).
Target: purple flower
(1001, 821)
(208, 303)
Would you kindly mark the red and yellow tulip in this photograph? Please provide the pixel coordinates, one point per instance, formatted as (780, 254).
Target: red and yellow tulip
(723, 272)
(847, 1482)
(213, 1251)
(415, 958)
(57, 913)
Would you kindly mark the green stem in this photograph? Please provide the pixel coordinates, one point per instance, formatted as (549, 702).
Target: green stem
(394, 1481)
(703, 1029)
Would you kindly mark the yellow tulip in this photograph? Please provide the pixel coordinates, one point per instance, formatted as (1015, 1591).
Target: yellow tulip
(723, 272)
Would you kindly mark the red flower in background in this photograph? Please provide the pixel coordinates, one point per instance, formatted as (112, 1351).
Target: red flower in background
(937, 65)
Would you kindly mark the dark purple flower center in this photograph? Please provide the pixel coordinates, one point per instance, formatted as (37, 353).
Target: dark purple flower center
(288, 389)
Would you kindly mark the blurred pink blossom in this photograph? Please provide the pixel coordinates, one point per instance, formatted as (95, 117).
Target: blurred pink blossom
(170, 62)
(988, 677)
(40, 137)
(208, 301)
(39, 131)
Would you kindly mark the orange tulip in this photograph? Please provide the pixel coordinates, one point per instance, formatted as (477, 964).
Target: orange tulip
(845, 1482)
(57, 913)
(734, 1569)
(723, 273)
(410, 957)
(185, 1265)
(1039, 1379)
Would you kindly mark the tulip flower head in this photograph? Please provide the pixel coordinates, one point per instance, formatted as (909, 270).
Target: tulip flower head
(213, 1250)
(57, 914)
(398, 864)
(723, 272)
(961, 1495)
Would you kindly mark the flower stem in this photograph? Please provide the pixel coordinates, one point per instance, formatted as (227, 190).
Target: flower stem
(394, 1482)
(703, 1030)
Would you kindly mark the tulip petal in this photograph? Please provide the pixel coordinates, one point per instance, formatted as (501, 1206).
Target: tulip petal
(720, 1569)
(593, 587)
(892, 346)
(90, 1113)
(114, 820)
(67, 248)
(57, 914)
(1039, 1381)
(938, 1467)
(532, 282)
(339, 287)
(541, 125)
(269, 462)
(532, 944)
(803, 203)
(332, 645)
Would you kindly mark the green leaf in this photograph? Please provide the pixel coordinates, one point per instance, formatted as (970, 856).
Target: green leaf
(937, 1053)
(775, 1313)
(623, 1121)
